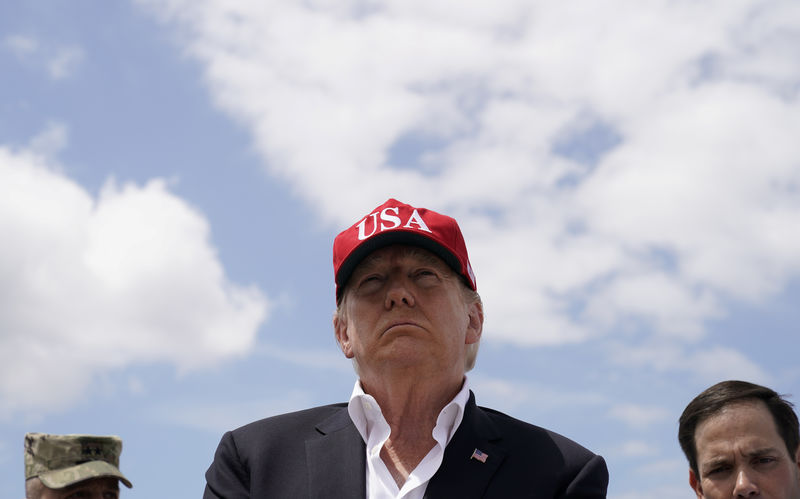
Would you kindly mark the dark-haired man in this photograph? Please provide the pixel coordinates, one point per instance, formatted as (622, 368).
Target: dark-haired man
(409, 316)
(741, 440)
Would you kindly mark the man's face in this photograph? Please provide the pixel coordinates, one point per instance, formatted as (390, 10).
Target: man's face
(741, 454)
(94, 488)
(405, 308)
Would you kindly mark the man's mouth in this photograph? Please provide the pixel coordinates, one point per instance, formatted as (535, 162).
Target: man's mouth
(400, 323)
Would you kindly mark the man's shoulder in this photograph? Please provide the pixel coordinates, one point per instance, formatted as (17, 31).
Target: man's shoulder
(267, 457)
(304, 418)
(525, 434)
(553, 465)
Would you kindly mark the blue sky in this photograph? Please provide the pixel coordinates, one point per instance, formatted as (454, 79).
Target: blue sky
(173, 174)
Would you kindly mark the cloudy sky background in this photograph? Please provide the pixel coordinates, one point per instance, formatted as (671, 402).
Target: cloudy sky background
(172, 175)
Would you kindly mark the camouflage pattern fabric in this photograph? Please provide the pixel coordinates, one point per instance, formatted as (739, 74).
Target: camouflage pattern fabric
(62, 460)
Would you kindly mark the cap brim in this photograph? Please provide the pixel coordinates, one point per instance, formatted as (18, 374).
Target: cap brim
(58, 479)
(387, 239)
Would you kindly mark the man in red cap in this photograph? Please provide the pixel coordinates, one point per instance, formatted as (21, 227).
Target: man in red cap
(410, 318)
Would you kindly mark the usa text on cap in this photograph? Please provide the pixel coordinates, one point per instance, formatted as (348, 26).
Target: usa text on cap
(394, 222)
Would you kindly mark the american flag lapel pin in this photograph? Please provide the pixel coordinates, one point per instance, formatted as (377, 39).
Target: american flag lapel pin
(479, 455)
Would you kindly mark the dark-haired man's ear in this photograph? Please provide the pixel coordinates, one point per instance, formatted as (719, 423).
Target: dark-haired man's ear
(694, 482)
(797, 462)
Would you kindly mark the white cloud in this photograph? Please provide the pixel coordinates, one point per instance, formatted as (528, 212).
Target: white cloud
(707, 363)
(636, 449)
(508, 395)
(315, 359)
(136, 386)
(50, 141)
(220, 417)
(694, 204)
(64, 62)
(58, 61)
(20, 45)
(664, 466)
(638, 416)
(95, 284)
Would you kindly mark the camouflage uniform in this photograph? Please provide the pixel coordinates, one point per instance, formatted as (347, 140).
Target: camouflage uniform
(63, 460)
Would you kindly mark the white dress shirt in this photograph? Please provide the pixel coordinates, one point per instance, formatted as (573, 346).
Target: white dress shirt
(369, 420)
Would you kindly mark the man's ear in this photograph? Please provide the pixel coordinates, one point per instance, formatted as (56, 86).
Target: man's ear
(694, 482)
(797, 462)
(475, 325)
(342, 338)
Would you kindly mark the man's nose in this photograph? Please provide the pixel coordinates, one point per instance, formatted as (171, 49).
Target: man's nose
(745, 485)
(399, 293)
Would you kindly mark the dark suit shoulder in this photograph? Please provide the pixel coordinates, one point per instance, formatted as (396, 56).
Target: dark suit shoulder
(526, 434)
(268, 457)
(298, 420)
(558, 466)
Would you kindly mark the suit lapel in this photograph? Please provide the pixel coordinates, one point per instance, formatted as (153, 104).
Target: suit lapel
(461, 475)
(336, 459)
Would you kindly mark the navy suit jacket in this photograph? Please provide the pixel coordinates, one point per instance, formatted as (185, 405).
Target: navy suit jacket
(318, 453)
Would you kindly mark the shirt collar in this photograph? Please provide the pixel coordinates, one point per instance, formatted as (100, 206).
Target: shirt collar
(365, 413)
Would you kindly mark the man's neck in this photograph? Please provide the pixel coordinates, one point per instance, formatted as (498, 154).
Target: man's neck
(411, 408)
(408, 402)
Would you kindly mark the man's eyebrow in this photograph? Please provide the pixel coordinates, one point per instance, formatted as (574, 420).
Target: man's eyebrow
(714, 461)
(368, 263)
(431, 259)
(762, 452)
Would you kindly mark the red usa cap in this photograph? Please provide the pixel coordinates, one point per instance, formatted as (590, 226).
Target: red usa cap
(394, 222)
